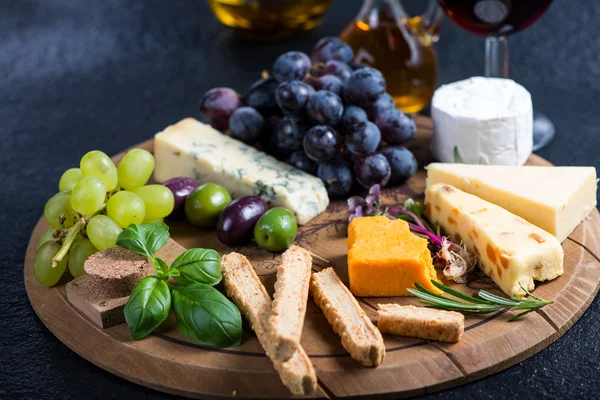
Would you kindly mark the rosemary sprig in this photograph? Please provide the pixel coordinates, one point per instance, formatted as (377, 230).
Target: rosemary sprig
(482, 303)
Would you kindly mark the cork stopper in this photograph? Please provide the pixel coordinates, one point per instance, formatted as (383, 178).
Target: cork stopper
(114, 272)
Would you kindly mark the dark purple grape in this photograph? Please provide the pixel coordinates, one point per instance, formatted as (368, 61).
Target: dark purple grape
(325, 108)
(317, 70)
(347, 154)
(355, 66)
(331, 48)
(311, 81)
(364, 86)
(352, 115)
(300, 160)
(383, 103)
(402, 162)
(292, 97)
(372, 169)
(268, 139)
(291, 66)
(363, 137)
(321, 143)
(235, 226)
(396, 126)
(337, 176)
(337, 68)
(261, 96)
(290, 133)
(217, 105)
(329, 82)
(246, 124)
(181, 188)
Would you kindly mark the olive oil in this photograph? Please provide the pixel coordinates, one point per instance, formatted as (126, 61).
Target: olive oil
(403, 51)
(270, 19)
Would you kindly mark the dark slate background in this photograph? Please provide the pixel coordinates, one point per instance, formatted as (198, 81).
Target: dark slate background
(77, 75)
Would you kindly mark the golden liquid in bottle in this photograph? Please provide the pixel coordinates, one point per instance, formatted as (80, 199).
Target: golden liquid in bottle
(270, 19)
(405, 55)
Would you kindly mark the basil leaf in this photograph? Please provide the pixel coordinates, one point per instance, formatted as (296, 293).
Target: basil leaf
(148, 306)
(160, 267)
(172, 272)
(207, 317)
(198, 266)
(144, 239)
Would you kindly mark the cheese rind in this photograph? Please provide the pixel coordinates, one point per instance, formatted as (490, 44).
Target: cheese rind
(489, 121)
(193, 149)
(510, 250)
(555, 199)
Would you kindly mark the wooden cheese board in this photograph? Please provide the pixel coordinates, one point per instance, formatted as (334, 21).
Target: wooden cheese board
(169, 362)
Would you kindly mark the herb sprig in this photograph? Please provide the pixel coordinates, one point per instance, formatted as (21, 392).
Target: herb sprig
(482, 303)
(203, 314)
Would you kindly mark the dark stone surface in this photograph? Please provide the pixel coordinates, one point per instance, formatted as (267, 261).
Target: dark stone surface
(86, 74)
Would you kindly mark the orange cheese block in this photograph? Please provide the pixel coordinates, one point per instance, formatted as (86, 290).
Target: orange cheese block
(385, 258)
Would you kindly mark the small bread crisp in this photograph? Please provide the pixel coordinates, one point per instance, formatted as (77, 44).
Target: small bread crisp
(421, 322)
(289, 302)
(359, 336)
(248, 293)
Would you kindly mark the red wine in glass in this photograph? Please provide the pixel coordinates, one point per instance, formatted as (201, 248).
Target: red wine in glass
(496, 19)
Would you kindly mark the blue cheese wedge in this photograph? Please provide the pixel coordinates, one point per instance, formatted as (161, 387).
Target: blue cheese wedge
(196, 150)
(510, 249)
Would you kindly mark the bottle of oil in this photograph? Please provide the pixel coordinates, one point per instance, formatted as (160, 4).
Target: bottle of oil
(401, 47)
(270, 19)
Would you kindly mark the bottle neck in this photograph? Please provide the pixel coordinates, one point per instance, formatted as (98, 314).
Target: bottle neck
(373, 10)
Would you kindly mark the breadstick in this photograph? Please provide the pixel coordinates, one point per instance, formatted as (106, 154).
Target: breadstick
(246, 290)
(289, 302)
(359, 336)
(421, 322)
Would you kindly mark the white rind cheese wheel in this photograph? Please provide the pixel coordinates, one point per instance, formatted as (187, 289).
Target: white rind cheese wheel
(489, 121)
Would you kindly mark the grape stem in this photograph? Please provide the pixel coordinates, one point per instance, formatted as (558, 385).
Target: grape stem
(71, 234)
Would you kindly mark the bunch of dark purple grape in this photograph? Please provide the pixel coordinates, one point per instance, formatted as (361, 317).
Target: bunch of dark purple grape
(324, 115)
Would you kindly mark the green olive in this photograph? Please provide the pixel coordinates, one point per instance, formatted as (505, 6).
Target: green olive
(205, 203)
(276, 229)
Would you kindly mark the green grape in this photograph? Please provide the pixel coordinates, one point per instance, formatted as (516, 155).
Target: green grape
(46, 237)
(103, 232)
(152, 221)
(126, 207)
(135, 169)
(158, 199)
(78, 253)
(88, 195)
(59, 206)
(96, 163)
(42, 266)
(69, 179)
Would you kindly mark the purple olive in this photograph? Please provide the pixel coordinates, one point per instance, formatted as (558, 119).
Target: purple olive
(181, 188)
(236, 222)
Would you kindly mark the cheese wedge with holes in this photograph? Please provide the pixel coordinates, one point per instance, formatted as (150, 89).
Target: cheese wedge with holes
(555, 199)
(510, 250)
(196, 150)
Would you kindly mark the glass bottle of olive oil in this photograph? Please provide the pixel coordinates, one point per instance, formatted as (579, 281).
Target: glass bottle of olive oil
(270, 19)
(400, 46)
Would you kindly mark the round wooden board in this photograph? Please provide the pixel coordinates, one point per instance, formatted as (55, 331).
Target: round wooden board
(169, 362)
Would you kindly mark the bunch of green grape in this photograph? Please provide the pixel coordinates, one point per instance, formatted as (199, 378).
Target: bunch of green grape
(94, 204)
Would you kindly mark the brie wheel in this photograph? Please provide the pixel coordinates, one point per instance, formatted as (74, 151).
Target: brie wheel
(488, 120)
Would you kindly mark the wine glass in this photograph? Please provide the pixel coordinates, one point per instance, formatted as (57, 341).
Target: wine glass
(496, 19)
